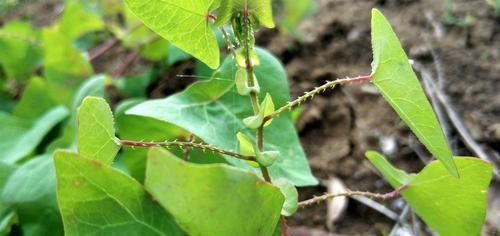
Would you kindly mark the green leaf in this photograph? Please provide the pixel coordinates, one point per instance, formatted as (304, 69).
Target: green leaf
(184, 24)
(77, 21)
(156, 51)
(32, 191)
(96, 131)
(21, 136)
(395, 177)
(261, 10)
(93, 86)
(291, 196)
(398, 84)
(267, 107)
(36, 100)
(449, 205)
(21, 52)
(6, 213)
(95, 199)
(212, 199)
(62, 60)
(213, 111)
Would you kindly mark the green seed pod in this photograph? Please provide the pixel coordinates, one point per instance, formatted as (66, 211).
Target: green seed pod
(241, 81)
(267, 158)
(240, 58)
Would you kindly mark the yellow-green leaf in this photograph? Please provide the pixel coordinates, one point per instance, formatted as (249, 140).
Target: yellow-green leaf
(96, 131)
(450, 206)
(184, 23)
(398, 84)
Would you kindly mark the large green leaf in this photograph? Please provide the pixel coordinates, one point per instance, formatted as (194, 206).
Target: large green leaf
(450, 206)
(185, 24)
(96, 131)
(212, 199)
(394, 77)
(21, 136)
(213, 111)
(95, 199)
(20, 50)
(261, 10)
(32, 191)
(77, 21)
(61, 59)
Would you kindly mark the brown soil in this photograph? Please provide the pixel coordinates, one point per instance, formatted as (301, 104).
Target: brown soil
(337, 127)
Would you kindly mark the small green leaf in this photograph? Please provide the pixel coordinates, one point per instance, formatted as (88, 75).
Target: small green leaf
(398, 84)
(291, 196)
(266, 108)
(61, 59)
(96, 132)
(93, 86)
(212, 199)
(21, 52)
(214, 111)
(267, 158)
(192, 35)
(32, 191)
(450, 206)
(95, 199)
(245, 145)
(77, 21)
(261, 10)
(21, 136)
(36, 100)
(395, 177)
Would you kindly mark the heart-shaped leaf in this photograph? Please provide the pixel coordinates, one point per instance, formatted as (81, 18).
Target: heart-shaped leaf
(398, 84)
(214, 111)
(95, 199)
(213, 199)
(450, 206)
(185, 24)
(96, 131)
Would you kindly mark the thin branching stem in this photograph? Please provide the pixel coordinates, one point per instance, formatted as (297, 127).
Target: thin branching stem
(328, 196)
(187, 145)
(316, 91)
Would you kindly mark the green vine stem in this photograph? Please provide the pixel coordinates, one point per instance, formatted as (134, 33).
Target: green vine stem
(187, 145)
(318, 90)
(386, 196)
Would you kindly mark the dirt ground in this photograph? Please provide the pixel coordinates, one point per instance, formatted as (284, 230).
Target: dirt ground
(337, 127)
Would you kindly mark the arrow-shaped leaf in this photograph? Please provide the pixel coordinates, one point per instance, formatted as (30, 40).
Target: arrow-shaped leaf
(450, 206)
(394, 77)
